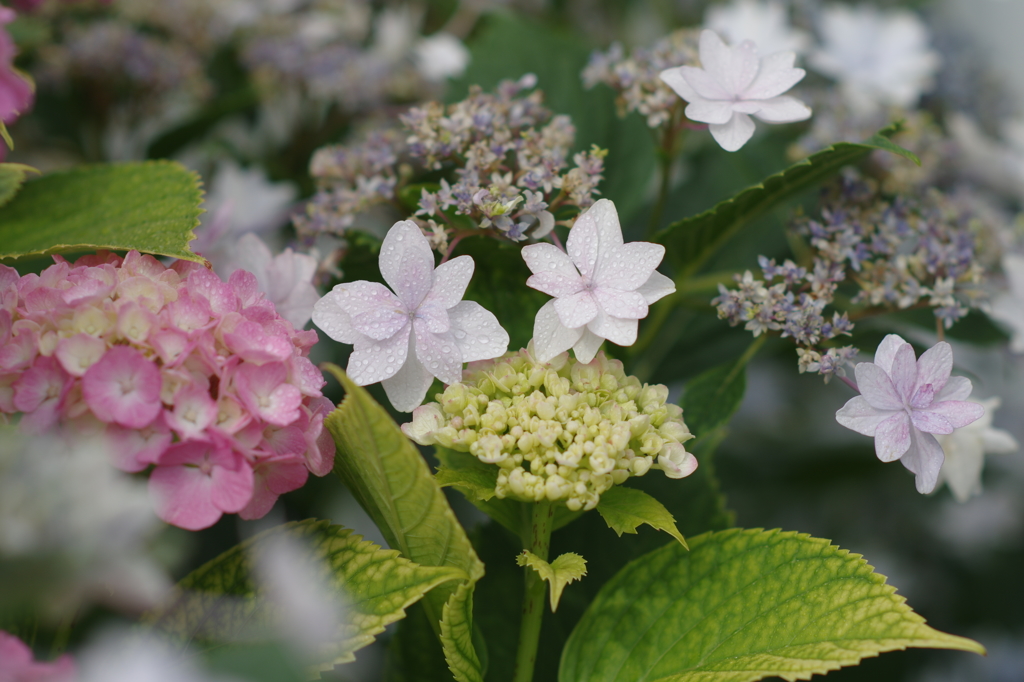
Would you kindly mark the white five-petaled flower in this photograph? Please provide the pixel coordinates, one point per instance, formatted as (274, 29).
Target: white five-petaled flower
(879, 58)
(904, 400)
(966, 448)
(601, 287)
(735, 84)
(422, 330)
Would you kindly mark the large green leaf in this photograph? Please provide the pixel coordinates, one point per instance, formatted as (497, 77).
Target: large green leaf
(743, 605)
(12, 175)
(691, 241)
(152, 207)
(712, 397)
(392, 482)
(222, 601)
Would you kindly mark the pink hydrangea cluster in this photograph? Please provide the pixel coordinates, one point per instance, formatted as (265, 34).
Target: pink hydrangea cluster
(17, 663)
(199, 378)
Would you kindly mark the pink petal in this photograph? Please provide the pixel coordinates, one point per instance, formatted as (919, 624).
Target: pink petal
(934, 366)
(734, 134)
(775, 76)
(379, 360)
(876, 387)
(886, 351)
(407, 263)
(407, 388)
(931, 422)
(784, 109)
(194, 410)
(182, 497)
(904, 372)
(380, 323)
(133, 450)
(273, 477)
(924, 458)
(957, 388)
(958, 413)
(477, 332)
(550, 336)
(858, 415)
(439, 354)
(251, 342)
(892, 437)
(450, 282)
(264, 391)
(576, 310)
(232, 484)
(305, 375)
(123, 387)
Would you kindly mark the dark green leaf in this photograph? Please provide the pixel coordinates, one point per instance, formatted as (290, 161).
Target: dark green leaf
(711, 398)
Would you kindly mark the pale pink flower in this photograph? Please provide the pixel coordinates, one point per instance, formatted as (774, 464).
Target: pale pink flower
(123, 387)
(17, 664)
(265, 391)
(286, 279)
(197, 481)
(39, 394)
(602, 287)
(274, 476)
(905, 400)
(423, 330)
(735, 84)
(16, 93)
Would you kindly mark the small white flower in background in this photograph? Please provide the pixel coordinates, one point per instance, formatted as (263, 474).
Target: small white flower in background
(1008, 306)
(879, 58)
(965, 451)
(441, 56)
(602, 287)
(735, 84)
(286, 279)
(120, 656)
(905, 400)
(424, 331)
(766, 24)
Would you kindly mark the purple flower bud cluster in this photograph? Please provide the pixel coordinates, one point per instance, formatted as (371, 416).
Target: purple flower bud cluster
(508, 153)
(635, 77)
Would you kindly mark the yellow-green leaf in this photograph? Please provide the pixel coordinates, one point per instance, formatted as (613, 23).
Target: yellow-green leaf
(625, 509)
(6, 136)
(223, 601)
(12, 175)
(151, 206)
(743, 605)
(558, 573)
(392, 482)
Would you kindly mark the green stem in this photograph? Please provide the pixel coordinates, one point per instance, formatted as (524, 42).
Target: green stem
(533, 595)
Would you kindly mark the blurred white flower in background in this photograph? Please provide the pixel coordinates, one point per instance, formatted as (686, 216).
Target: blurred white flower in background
(121, 656)
(1008, 306)
(441, 56)
(764, 23)
(965, 451)
(879, 58)
(286, 279)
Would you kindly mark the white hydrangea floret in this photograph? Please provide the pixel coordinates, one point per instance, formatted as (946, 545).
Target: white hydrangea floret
(965, 451)
(421, 331)
(602, 286)
(735, 84)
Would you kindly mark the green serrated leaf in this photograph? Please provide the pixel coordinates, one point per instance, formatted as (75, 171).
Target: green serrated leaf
(12, 175)
(625, 509)
(457, 636)
(392, 482)
(691, 241)
(222, 602)
(559, 573)
(743, 605)
(712, 397)
(151, 206)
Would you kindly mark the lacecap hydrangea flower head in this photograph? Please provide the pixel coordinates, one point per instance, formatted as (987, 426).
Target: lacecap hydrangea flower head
(561, 430)
(199, 378)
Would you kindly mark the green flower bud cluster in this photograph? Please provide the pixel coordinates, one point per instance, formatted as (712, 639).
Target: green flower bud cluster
(560, 430)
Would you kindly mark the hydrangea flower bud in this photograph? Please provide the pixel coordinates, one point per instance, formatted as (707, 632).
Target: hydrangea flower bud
(559, 431)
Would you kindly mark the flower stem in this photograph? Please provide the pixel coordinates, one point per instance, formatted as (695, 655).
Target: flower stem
(533, 594)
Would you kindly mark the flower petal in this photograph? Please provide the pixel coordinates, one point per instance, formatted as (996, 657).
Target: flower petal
(576, 310)
(407, 263)
(858, 415)
(333, 313)
(380, 323)
(181, 496)
(617, 330)
(477, 332)
(904, 372)
(734, 68)
(957, 388)
(550, 336)
(931, 422)
(407, 388)
(439, 354)
(629, 266)
(892, 437)
(595, 233)
(628, 305)
(709, 111)
(924, 458)
(674, 79)
(656, 287)
(232, 485)
(886, 351)
(934, 366)
(450, 282)
(702, 84)
(876, 387)
(588, 345)
(545, 259)
(734, 134)
(958, 413)
(784, 109)
(379, 360)
(775, 76)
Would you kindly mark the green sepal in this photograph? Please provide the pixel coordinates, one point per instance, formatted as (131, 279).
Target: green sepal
(559, 573)
(626, 509)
